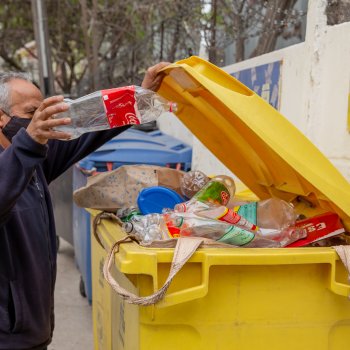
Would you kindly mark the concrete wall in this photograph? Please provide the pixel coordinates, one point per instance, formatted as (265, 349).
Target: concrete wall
(315, 78)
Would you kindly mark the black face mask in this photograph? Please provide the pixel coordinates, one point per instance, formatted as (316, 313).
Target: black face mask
(14, 125)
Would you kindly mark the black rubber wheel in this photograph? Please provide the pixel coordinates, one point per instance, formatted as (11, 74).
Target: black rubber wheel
(82, 287)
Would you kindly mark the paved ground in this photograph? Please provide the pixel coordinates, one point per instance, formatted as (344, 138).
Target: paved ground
(73, 329)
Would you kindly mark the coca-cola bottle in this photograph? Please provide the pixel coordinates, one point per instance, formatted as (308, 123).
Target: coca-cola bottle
(106, 109)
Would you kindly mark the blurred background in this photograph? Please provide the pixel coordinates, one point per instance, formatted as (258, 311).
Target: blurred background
(85, 45)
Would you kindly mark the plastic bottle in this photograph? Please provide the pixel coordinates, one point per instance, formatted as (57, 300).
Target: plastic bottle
(217, 212)
(219, 190)
(146, 228)
(106, 109)
(268, 217)
(171, 225)
(192, 182)
(271, 214)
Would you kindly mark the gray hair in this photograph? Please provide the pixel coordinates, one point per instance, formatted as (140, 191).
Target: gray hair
(5, 103)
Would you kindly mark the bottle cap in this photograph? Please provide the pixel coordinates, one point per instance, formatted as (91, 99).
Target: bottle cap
(155, 199)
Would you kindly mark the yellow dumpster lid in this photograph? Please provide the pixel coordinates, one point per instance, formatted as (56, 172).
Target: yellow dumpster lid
(260, 146)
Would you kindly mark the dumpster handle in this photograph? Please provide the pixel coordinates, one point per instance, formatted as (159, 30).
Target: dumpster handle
(185, 248)
(337, 287)
(188, 294)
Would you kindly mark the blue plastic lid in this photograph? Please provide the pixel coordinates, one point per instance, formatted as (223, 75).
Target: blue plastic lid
(155, 199)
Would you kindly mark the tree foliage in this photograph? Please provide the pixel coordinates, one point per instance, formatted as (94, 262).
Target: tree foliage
(97, 44)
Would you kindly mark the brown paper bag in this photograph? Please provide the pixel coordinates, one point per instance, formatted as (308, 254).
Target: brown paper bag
(119, 188)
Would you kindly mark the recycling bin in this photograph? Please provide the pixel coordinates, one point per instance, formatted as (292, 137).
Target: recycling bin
(130, 147)
(233, 298)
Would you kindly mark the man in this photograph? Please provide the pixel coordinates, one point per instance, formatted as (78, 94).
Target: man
(31, 156)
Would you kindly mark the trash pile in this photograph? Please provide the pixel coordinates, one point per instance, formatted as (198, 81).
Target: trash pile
(210, 209)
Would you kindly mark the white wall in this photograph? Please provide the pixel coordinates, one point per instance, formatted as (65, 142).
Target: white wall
(315, 78)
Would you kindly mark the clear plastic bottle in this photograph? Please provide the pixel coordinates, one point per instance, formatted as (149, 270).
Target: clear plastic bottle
(171, 225)
(146, 228)
(272, 214)
(107, 109)
(217, 212)
(219, 190)
(192, 182)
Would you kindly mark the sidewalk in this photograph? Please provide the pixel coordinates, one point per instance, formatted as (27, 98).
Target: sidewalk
(73, 330)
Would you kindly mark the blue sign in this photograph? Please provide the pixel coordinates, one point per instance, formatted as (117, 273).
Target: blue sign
(263, 80)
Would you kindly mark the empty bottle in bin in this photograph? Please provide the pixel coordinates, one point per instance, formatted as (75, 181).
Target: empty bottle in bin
(107, 109)
(211, 200)
(218, 190)
(192, 182)
(172, 225)
(146, 228)
(217, 212)
(272, 214)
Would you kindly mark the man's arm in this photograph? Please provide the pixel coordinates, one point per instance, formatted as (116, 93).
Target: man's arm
(28, 150)
(63, 154)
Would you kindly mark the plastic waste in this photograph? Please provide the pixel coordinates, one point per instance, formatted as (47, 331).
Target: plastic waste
(192, 182)
(154, 199)
(272, 214)
(217, 212)
(219, 190)
(125, 214)
(172, 225)
(146, 228)
(107, 109)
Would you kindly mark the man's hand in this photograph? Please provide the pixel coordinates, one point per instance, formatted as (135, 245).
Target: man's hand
(152, 77)
(40, 128)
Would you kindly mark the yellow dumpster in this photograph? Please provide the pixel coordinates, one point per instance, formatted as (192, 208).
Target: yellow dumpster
(233, 298)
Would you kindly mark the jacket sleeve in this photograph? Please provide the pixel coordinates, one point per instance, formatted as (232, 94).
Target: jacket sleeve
(17, 164)
(63, 154)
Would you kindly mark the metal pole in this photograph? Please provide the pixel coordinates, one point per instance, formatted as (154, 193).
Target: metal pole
(42, 42)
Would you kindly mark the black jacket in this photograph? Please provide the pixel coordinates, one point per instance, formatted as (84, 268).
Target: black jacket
(27, 234)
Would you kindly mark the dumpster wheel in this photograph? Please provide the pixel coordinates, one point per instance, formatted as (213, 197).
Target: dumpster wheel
(82, 287)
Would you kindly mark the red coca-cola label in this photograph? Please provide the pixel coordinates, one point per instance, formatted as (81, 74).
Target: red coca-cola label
(120, 106)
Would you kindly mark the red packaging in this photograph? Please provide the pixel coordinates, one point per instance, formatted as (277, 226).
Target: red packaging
(319, 227)
(120, 106)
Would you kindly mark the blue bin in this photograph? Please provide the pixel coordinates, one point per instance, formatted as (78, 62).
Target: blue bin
(139, 147)
(130, 147)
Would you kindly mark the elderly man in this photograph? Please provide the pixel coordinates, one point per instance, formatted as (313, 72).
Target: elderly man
(31, 156)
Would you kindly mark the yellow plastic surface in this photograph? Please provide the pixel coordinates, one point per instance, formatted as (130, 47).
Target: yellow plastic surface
(101, 292)
(231, 298)
(260, 146)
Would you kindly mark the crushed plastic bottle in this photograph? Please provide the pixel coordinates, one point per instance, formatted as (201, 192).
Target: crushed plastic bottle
(217, 212)
(192, 182)
(172, 225)
(146, 228)
(272, 214)
(112, 108)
